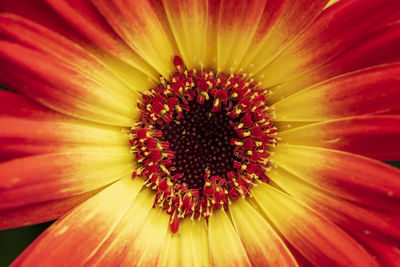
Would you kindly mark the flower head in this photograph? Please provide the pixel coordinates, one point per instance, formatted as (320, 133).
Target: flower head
(197, 133)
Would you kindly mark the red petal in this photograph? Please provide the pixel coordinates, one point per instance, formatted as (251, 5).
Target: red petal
(373, 136)
(343, 174)
(376, 48)
(41, 212)
(83, 17)
(41, 13)
(386, 255)
(335, 30)
(72, 59)
(63, 88)
(370, 91)
(19, 106)
(86, 24)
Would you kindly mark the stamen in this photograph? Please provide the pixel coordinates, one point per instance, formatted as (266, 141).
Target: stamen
(203, 141)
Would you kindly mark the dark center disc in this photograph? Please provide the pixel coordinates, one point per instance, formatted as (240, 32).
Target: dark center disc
(201, 141)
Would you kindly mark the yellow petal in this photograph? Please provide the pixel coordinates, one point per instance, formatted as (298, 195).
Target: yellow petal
(262, 244)
(225, 246)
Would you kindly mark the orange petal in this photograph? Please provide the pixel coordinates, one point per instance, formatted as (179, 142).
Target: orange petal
(83, 230)
(118, 245)
(343, 174)
(138, 239)
(237, 24)
(72, 59)
(281, 22)
(95, 35)
(49, 137)
(83, 17)
(63, 88)
(319, 240)
(145, 249)
(47, 177)
(138, 24)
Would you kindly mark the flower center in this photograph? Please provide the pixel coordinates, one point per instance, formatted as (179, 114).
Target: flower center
(202, 141)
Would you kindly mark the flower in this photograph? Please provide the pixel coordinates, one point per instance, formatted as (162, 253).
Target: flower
(306, 91)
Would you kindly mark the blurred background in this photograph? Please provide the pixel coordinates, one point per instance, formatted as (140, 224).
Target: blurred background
(14, 241)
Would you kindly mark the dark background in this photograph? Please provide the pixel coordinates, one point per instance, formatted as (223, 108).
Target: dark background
(14, 241)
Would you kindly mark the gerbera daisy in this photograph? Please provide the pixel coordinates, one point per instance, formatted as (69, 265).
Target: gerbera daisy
(202, 133)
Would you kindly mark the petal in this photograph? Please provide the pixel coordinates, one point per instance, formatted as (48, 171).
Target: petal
(376, 48)
(343, 174)
(72, 26)
(83, 17)
(331, 2)
(119, 243)
(41, 13)
(372, 136)
(42, 211)
(62, 88)
(386, 255)
(263, 245)
(49, 131)
(138, 239)
(146, 248)
(81, 231)
(47, 177)
(171, 253)
(370, 91)
(319, 240)
(336, 29)
(230, 252)
(138, 24)
(49, 137)
(188, 247)
(237, 24)
(89, 62)
(281, 22)
(63, 75)
(14, 105)
(189, 22)
(355, 219)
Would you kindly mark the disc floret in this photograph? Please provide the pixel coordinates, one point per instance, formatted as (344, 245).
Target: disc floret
(202, 141)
